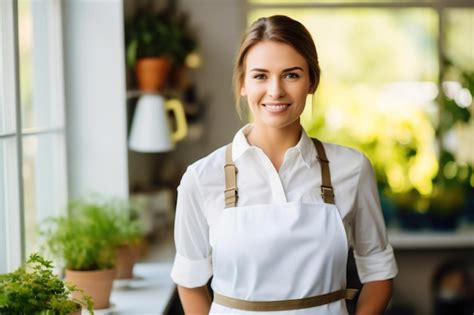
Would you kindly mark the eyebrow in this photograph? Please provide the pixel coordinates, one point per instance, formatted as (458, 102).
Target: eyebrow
(284, 70)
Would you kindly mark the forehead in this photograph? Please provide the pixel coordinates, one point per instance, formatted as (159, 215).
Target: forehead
(272, 55)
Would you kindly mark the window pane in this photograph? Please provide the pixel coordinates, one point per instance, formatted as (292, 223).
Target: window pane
(43, 182)
(7, 76)
(460, 37)
(38, 79)
(460, 50)
(371, 45)
(10, 229)
(378, 86)
(3, 207)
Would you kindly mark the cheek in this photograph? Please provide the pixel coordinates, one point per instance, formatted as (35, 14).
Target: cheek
(254, 92)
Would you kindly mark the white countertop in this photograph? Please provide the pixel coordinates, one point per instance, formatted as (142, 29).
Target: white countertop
(151, 289)
(148, 293)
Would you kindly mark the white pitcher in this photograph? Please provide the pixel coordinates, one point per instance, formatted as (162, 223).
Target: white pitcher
(151, 130)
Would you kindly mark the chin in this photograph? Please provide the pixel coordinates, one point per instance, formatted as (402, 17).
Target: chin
(278, 123)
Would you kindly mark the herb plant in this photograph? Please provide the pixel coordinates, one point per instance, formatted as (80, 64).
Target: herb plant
(88, 237)
(85, 239)
(34, 289)
(129, 227)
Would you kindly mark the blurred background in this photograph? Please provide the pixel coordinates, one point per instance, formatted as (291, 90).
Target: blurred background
(397, 83)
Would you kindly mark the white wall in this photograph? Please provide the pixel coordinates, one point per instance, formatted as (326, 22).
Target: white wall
(95, 97)
(218, 25)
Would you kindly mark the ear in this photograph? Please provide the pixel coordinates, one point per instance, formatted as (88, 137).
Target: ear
(311, 88)
(243, 91)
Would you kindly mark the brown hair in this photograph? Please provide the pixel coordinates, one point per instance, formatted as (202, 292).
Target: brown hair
(278, 28)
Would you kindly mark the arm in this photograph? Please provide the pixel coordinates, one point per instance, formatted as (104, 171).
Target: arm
(374, 297)
(196, 301)
(373, 254)
(192, 266)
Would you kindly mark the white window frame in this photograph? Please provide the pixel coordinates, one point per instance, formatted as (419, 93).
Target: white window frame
(12, 228)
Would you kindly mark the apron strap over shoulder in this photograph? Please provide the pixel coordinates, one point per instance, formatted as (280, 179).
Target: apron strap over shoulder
(230, 171)
(327, 191)
(284, 305)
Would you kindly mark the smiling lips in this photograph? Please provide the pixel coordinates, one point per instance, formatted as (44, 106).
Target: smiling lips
(276, 107)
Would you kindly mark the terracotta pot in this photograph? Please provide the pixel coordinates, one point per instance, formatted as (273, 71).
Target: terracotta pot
(126, 257)
(78, 312)
(152, 73)
(140, 248)
(97, 284)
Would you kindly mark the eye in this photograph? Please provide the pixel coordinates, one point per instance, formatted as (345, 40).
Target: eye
(292, 75)
(259, 76)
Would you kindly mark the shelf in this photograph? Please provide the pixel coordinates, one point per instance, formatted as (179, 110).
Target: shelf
(460, 239)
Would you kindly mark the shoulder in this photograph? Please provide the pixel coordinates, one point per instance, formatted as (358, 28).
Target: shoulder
(345, 160)
(211, 163)
(208, 168)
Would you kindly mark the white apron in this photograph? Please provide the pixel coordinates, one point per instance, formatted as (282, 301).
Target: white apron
(279, 252)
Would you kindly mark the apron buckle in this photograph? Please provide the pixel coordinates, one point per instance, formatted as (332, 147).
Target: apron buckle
(327, 192)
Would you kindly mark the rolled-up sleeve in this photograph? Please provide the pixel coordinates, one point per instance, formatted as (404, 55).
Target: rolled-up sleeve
(192, 265)
(373, 254)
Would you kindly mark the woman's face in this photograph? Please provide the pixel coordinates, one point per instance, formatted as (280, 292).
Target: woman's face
(276, 84)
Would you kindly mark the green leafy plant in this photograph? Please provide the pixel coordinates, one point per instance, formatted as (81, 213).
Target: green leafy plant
(454, 177)
(162, 34)
(34, 289)
(86, 239)
(128, 226)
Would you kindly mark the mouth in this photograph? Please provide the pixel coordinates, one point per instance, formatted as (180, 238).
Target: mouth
(276, 107)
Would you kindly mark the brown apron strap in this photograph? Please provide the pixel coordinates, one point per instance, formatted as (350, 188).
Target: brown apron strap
(327, 191)
(230, 192)
(284, 305)
(230, 170)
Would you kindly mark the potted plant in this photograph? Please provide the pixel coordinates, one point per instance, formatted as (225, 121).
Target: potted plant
(34, 289)
(130, 231)
(154, 41)
(86, 242)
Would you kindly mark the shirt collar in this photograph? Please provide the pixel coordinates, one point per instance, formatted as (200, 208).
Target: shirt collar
(240, 143)
(305, 145)
(307, 149)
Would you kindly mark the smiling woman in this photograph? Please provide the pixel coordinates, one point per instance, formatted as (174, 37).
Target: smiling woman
(275, 234)
(276, 84)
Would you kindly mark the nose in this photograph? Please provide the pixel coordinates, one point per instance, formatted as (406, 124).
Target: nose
(276, 88)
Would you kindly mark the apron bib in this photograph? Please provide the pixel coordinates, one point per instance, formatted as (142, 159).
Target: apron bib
(279, 252)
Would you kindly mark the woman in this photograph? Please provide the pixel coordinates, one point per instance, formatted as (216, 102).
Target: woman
(271, 215)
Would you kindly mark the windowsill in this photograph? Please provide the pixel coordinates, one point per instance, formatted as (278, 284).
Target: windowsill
(151, 290)
(463, 237)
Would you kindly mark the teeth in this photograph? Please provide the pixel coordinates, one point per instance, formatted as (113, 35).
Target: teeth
(275, 108)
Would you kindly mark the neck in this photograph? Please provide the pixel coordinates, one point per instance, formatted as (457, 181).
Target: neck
(275, 141)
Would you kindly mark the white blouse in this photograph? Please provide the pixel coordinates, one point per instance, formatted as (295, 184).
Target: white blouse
(201, 200)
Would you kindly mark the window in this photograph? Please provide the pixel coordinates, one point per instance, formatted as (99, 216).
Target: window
(32, 131)
(380, 64)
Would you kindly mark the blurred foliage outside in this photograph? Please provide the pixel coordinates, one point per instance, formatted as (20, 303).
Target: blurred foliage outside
(379, 92)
